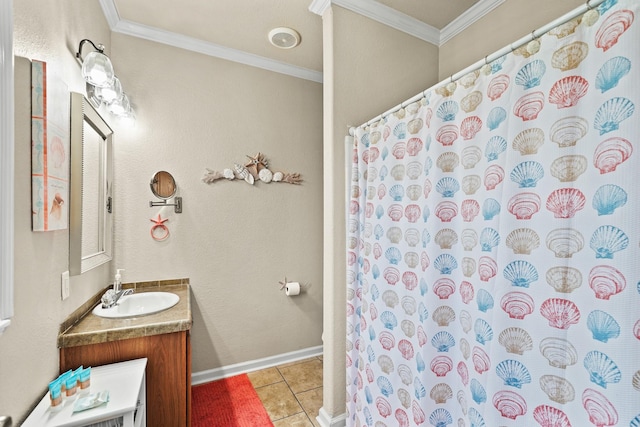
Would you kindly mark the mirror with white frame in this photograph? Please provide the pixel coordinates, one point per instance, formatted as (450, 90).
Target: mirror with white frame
(90, 214)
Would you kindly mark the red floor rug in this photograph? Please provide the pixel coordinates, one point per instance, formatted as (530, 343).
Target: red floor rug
(229, 402)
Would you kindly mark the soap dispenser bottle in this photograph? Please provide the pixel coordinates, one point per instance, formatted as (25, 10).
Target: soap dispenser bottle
(117, 283)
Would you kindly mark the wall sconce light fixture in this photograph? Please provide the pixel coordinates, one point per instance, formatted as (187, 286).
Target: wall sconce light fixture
(103, 87)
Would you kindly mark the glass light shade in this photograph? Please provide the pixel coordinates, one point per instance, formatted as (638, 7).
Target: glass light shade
(97, 69)
(110, 93)
(120, 106)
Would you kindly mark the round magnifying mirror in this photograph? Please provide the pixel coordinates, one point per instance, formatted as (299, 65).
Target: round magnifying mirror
(163, 185)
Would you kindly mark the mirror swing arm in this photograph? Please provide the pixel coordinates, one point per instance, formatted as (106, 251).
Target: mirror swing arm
(177, 204)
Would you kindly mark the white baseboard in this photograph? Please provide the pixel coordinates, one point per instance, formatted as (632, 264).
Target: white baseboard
(325, 420)
(253, 365)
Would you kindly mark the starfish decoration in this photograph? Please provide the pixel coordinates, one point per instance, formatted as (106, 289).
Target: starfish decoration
(283, 284)
(257, 162)
(159, 221)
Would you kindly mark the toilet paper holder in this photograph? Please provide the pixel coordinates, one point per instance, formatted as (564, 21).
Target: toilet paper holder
(291, 288)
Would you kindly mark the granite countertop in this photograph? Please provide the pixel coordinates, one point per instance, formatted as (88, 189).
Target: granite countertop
(83, 327)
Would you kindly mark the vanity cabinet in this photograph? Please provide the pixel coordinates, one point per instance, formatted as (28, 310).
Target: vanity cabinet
(168, 372)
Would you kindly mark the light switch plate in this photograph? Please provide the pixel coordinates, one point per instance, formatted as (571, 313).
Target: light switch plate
(64, 282)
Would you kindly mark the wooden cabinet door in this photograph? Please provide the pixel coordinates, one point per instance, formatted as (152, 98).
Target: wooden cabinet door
(168, 371)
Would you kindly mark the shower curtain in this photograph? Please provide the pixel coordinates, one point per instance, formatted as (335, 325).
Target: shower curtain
(494, 242)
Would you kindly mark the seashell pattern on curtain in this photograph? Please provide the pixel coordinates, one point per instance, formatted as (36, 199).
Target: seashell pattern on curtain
(494, 243)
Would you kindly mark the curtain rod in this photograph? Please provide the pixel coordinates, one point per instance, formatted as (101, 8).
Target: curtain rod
(590, 4)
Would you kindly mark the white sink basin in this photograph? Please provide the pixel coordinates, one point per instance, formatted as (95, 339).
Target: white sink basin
(140, 304)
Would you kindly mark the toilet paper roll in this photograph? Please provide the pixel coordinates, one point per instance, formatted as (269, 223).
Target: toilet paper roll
(292, 288)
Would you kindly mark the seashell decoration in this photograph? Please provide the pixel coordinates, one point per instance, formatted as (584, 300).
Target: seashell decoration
(510, 404)
(443, 341)
(568, 130)
(399, 149)
(608, 198)
(439, 417)
(470, 126)
(611, 72)
(446, 211)
(469, 239)
(447, 186)
(465, 321)
(606, 281)
(528, 141)
(611, 113)
(524, 205)
(611, 153)
(515, 340)
(568, 168)
(495, 146)
(469, 209)
(484, 300)
(471, 155)
(478, 392)
(414, 145)
(567, 91)
(448, 161)
(490, 208)
(441, 365)
(483, 331)
(441, 392)
(443, 315)
(471, 101)
(603, 326)
(481, 361)
(569, 56)
(414, 170)
(496, 116)
(415, 125)
(513, 373)
(517, 304)
(489, 239)
(487, 268)
(565, 202)
(522, 241)
(565, 29)
(559, 352)
(447, 111)
(560, 313)
(607, 240)
(558, 389)
(600, 410)
(529, 106)
(564, 279)
(612, 28)
(531, 74)
(470, 184)
(447, 134)
(418, 414)
(493, 176)
(446, 238)
(466, 291)
(547, 415)
(527, 174)
(602, 370)
(497, 86)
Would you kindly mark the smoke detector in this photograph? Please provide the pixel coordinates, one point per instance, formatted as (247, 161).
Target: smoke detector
(284, 38)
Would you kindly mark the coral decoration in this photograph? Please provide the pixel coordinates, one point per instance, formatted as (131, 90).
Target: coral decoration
(256, 169)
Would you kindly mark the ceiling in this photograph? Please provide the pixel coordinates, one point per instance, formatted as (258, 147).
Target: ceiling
(237, 30)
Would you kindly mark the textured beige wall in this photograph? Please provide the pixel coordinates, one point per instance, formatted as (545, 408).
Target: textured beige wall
(233, 240)
(368, 68)
(49, 31)
(506, 24)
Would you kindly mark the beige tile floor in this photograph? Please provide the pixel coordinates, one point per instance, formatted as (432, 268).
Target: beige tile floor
(291, 393)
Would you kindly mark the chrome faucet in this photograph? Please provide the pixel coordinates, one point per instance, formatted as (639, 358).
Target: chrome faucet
(111, 297)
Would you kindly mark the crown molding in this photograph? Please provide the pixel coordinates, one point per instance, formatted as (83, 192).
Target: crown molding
(392, 18)
(319, 6)
(134, 29)
(470, 16)
(368, 8)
